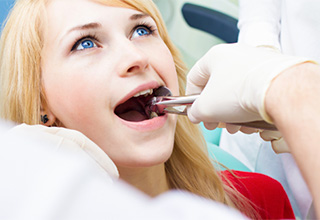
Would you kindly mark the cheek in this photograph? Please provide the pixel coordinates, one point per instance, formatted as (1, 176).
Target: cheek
(68, 97)
(165, 66)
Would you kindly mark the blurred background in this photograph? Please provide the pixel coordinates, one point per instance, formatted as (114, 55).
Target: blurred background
(193, 43)
(5, 6)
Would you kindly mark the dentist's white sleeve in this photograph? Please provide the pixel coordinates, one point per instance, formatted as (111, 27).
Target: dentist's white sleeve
(259, 22)
(57, 173)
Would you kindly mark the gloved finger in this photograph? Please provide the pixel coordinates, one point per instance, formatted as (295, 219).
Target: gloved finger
(270, 135)
(280, 146)
(277, 142)
(211, 125)
(222, 125)
(197, 78)
(232, 128)
(248, 130)
(192, 117)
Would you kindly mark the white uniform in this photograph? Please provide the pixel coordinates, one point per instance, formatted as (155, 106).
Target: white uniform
(293, 27)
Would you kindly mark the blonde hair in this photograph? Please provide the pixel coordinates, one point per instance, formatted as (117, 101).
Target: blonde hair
(189, 167)
(20, 63)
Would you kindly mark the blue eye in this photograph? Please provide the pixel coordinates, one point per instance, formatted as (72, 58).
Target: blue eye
(84, 44)
(141, 31)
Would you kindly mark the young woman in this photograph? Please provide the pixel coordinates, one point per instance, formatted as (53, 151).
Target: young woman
(91, 65)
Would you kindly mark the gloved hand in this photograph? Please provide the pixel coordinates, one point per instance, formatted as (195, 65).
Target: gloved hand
(233, 80)
(277, 142)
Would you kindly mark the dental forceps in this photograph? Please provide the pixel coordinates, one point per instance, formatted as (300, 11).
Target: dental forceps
(178, 105)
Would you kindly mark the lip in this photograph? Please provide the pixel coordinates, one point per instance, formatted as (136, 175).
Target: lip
(150, 85)
(146, 125)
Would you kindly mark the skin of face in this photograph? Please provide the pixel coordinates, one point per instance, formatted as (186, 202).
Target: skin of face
(115, 57)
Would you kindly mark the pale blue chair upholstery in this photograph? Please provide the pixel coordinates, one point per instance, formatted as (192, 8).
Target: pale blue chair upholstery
(225, 28)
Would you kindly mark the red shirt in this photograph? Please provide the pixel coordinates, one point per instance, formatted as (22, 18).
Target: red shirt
(266, 193)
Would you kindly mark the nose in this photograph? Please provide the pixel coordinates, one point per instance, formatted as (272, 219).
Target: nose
(133, 59)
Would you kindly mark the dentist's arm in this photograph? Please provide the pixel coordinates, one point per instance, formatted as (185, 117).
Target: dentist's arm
(286, 93)
(292, 101)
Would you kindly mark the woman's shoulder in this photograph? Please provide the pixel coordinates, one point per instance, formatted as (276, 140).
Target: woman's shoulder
(265, 192)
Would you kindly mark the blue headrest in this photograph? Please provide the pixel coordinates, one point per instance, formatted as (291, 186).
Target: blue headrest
(211, 21)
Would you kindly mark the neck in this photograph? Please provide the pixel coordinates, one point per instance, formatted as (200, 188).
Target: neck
(151, 180)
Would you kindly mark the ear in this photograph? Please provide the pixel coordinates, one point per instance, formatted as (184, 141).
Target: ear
(47, 118)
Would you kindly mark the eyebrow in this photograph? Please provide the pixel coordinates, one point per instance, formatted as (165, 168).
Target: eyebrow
(96, 25)
(138, 16)
(93, 25)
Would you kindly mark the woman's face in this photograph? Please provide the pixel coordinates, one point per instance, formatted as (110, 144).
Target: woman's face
(96, 58)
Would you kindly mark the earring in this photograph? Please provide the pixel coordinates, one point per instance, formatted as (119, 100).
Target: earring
(44, 119)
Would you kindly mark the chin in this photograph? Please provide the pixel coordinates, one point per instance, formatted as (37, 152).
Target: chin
(144, 158)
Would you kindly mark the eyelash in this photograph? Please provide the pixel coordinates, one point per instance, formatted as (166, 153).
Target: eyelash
(94, 37)
(151, 28)
(83, 37)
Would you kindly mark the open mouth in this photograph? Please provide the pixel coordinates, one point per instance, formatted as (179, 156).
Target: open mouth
(136, 108)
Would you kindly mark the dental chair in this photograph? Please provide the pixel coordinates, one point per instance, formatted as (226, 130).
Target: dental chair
(225, 28)
(211, 21)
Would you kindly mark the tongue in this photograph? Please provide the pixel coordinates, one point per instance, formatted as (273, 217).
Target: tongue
(133, 116)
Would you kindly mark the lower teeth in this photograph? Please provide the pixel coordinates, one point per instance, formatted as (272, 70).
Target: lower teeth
(153, 115)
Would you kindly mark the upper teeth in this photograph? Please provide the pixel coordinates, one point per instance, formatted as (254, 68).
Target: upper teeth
(145, 93)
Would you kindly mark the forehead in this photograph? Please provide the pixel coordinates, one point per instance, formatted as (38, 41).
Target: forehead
(84, 7)
(63, 15)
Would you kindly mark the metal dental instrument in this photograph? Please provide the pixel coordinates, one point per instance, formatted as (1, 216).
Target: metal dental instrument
(178, 105)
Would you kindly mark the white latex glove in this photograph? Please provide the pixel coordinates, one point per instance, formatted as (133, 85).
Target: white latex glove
(233, 80)
(277, 142)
